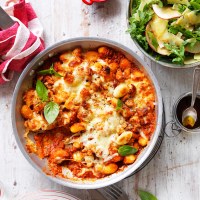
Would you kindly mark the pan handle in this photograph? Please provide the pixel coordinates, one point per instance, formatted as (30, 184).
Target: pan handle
(171, 129)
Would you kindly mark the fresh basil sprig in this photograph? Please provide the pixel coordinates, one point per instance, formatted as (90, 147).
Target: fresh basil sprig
(126, 150)
(50, 71)
(51, 111)
(146, 195)
(41, 90)
(119, 104)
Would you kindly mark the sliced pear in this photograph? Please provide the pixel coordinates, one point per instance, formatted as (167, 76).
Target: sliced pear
(171, 38)
(188, 19)
(193, 49)
(166, 12)
(158, 26)
(162, 51)
(197, 56)
(193, 17)
(190, 61)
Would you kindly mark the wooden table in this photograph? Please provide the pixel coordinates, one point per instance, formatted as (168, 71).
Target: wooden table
(173, 174)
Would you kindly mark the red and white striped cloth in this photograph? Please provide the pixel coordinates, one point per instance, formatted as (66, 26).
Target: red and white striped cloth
(20, 43)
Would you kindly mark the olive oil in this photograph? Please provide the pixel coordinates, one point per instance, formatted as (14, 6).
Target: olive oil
(185, 103)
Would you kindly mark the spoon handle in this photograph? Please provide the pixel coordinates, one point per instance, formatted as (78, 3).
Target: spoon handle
(196, 81)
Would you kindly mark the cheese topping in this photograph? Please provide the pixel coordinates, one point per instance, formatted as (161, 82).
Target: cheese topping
(105, 101)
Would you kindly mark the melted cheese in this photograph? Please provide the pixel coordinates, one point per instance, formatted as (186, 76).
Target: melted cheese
(102, 130)
(90, 97)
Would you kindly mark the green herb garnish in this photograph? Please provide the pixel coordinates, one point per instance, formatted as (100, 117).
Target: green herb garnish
(153, 39)
(51, 111)
(138, 22)
(119, 104)
(195, 4)
(50, 71)
(126, 150)
(181, 8)
(146, 195)
(186, 33)
(177, 52)
(41, 90)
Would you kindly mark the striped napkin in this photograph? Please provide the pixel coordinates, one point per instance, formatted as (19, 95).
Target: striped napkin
(21, 42)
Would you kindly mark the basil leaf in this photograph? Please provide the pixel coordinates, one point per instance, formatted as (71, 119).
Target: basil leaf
(146, 195)
(126, 150)
(119, 104)
(50, 71)
(44, 72)
(57, 74)
(51, 111)
(41, 90)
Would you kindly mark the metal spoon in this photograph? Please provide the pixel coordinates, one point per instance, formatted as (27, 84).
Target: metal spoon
(189, 116)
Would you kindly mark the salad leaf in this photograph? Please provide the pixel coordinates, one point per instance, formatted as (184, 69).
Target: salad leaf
(51, 111)
(195, 4)
(177, 52)
(135, 6)
(41, 90)
(50, 71)
(126, 150)
(185, 32)
(181, 8)
(139, 20)
(146, 195)
(153, 39)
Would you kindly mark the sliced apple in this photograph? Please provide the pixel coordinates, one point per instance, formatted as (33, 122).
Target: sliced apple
(166, 12)
(188, 19)
(162, 51)
(197, 56)
(158, 26)
(193, 49)
(190, 61)
(168, 37)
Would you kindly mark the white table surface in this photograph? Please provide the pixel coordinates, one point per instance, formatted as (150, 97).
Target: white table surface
(173, 174)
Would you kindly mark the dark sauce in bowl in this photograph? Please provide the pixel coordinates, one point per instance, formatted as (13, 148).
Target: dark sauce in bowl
(185, 103)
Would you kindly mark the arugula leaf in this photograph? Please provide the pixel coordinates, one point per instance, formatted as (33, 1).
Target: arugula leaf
(177, 52)
(126, 150)
(146, 195)
(51, 111)
(185, 32)
(195, 4)
(119, 104)
(153, 39)
(135, 6)
(50, 71)
(181, 8)
(138, 21)
(41, 90)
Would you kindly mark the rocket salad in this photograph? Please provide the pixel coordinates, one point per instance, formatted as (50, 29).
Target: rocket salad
(168, 29)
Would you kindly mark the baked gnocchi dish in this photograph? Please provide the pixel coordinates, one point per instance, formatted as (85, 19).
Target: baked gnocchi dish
(90, 112)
